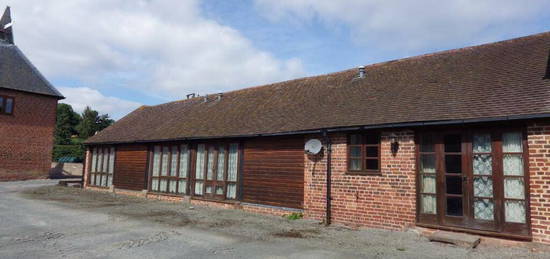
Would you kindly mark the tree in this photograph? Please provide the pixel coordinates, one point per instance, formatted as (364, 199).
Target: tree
(92, 122)
(65, 125)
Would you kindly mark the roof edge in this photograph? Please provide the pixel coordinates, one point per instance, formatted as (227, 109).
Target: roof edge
(341, 129)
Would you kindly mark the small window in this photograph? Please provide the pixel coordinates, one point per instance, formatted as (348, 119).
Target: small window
(364, 153)
(6, 105)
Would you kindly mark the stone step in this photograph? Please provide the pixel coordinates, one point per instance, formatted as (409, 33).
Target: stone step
(459, 239)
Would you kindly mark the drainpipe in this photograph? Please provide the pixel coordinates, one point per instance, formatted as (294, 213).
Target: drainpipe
(329, 176)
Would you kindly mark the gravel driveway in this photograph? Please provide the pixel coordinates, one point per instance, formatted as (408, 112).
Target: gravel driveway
(39, 219)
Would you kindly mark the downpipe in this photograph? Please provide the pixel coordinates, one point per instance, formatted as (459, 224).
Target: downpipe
(328, 146)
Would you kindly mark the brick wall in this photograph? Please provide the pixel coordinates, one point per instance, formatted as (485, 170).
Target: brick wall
(382, 201)
(27, 136)
(538, 137)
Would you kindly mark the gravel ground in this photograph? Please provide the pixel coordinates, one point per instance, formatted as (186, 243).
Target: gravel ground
(40, 219)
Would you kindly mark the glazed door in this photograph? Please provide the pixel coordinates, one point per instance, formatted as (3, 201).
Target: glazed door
(453, 178)
(474, 179)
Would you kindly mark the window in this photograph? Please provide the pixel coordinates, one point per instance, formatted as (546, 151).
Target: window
(216, 170)
(364, 153)
(169, 169)
(6, 105)
(102, 166)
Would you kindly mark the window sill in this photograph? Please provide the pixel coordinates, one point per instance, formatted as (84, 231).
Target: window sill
(365, 173)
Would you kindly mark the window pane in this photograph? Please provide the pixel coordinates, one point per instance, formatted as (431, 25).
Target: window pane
(163, 185)
(482, 143)
(199, 172)
(483, 164)
(372, 138)
(427, 164)
(428, 204)
(94, 160)
(156, 161)
(219, 190)
(174, 162)
(110, 181)
(355, 164)
(111, 161)
(483, 186)
(208, 189)
(453, 143)
(221, 163)
(514, 188)
(210, 169)
(104, 180)
(92, 179)
(182, 187)
(155, 185)
(106, 161)
(427, 144)
(372, 164)
(172, 186)
(513, 164)
(198, 188)
(454, 206)
(184, 161)
(355, 139)
(9, 105)
(484, 209)
(512, 142)
(453, 184)
(165, 154)
(99, 160)
(231, 191)
(515, 211)
(1, 104)
(428, 184)
(453, 164)
(232, 162)
(355, 151)
(372, 151)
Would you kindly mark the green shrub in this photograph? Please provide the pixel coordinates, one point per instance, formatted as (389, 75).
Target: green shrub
(294, 216)
(76, 151)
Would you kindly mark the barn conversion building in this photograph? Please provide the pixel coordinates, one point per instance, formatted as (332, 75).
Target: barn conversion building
(456, 140)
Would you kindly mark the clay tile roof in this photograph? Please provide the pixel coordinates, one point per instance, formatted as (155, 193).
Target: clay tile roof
(502, 79)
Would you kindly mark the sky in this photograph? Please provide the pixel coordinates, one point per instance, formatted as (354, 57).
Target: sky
(116, 55)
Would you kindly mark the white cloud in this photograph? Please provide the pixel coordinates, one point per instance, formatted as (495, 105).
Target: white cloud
(80, 97)
(412, 25)
(161, 48)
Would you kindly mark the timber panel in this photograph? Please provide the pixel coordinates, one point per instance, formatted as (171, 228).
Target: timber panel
(273, 171)
(131, 167)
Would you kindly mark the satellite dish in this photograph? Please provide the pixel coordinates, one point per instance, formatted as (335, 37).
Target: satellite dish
(313, 146)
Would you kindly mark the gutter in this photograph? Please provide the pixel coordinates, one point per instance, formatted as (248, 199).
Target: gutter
(343, 129)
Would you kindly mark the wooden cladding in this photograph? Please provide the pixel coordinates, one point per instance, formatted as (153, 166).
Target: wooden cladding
(131, 167)
(273, 171)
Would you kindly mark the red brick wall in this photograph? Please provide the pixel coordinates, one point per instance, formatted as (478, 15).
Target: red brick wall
(382, 201)
(538, 137)
(26, 137)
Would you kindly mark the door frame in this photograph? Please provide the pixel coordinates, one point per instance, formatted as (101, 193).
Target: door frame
(501, 228)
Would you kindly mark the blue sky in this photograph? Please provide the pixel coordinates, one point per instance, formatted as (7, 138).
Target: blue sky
(116, 55)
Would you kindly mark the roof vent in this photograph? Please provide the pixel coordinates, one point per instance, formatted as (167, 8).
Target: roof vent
(361, 70)
(6, 33)
(191, 95)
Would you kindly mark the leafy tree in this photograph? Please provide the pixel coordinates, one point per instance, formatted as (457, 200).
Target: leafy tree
(66, 123)
(92, 122)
